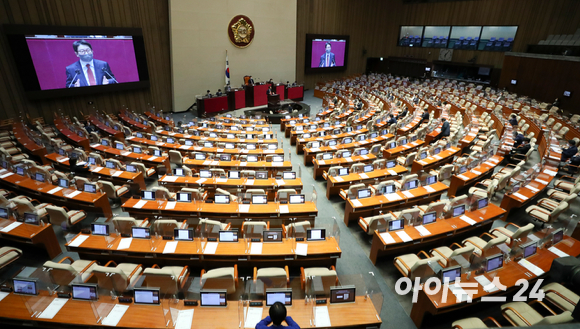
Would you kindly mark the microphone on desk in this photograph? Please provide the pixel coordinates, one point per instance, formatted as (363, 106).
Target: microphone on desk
(109, 74)
(74, 78)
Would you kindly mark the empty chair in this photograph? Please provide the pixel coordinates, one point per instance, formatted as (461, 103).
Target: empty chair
(567, 183)
(220, 278)
(407, 160)
(352, 191)
(438, 207)
(444, 173)
(255, 191)
(209, 225)
(371, 224)
(482, 246)
(520, 314)
(328, 277)
(124, 224)
(449, 255)
(25, 204)
(412, 265)
(9, 255)
(284, 194)
(170, 279)
(488, 192)
(217, 172)
(175, 157)
(552, 204)
(292, 229)
(117, 278)
(562, 297)
(224, 192)
(408, 215)
(544, 215)
(516, 232)
(60, 215)
(114, 192)
(474, 323)
(555, 194)
(254, 226)
(196, 194)
(163, 193)
(401, 183)
(148, 172)
(272, 277)
(63, 274)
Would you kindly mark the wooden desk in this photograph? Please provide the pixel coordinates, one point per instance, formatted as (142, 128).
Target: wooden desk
(295, 134)
(33, 234)
(443, 232)
(320, 253)
(509, 274)
(310, 153)
(70, 136)
(109, 131)
(372, 205)
(30, 146)
(160, 120)
(335, 183)
(123, 116)
(469, 138)
(270, 185)
(230, 213)
(271, 167)
(301, 142)
(135, 180)
(403, 149)
(434, 161)
(148, 160)
(288, 126)
(97, 202)
(214, 139)
(77, 313)
(410, 126)
(468, 178)
(185, 148)
(528, 192)
(321, 166)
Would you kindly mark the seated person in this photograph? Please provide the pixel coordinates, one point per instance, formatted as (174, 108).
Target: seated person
(570, 166)
(424, 116)
(277, 316)
(219, 92)
(208, 94)
(513, 121)
(518, 139)
(77, 169)
(522, 149)
(402, 114)
(391, 120)
(445, 128)
(570, 151)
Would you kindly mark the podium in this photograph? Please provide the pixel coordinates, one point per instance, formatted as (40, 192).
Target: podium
(236, 98)
(273, 101)
(256, 95)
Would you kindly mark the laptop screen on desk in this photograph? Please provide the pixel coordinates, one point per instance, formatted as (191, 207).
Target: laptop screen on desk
(213, 298)
(252, 158)
(388, 189)
(396, 224)
(228, 236)
(25, 286)
(558, 236)
(342, 171)
(233, 174)
(84, 291)
(222, 199)
(494, 262)
(283, 296)
(119, 146)
(261, 175)
(110, 164)
(148, 195)
(272, 236)
(100, 229)
(451, 274)
(316, 234)
(363, 193)
(140, 232)
(296, 198)
(458, 210)
(178, 172)
(391, 164)
(482, 203)
(91, 188)
(147, 296)
(183, 197)
(344, 294)
(205, 174)
(368, 168)
(225, 157)
(4, 213)
(391, 145)
(429, 217)
(411, 185)
(136, 150)
(31, 218)
(332, 143)
(131, 168)
(289, 175)
(431, 180)
(259, 199)
(199, 156)
(157, 153)
(39, 177)
(182, 234)
(530, 249)
(327, 156)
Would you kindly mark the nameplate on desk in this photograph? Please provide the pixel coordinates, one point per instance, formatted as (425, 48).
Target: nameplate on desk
(256, 248)
(221, 180)
(338, 179)
(421, 162)
(125, 153)
(52, 309)
(462, 177)
(117, 173)
(301, 249)
(244, 208)
(429, 189)
(170, 205)
(243, 164)
(408, 194)
(349, 159)
(541, 181)
(422, 230)
(280, 182)
(10, 227)
(170, 247)
(476, 172)
(201, 180)
(393, 197)
(386, 236)
(531, 188)
(468, 220)
(184, 319)
(316, 149)
(284, 209)
(125, 243)
(363, 176)
(210, 248)
(404, 236)
(140, 204)
(519, 196)
(115, 315)
(152, 158)
(437, 157)
(277, 164)
(459, 293)
(550, 172)
(531, 267)
(356, 203)
(322, 317)
(487, 285)
(169, 178)
(364, 156)
(184, 147)
(73, 194)
(250, 182)
(97, 169)
(558, 252)
(392, 172)
(63, 160)
(95, 145)
(54, 190)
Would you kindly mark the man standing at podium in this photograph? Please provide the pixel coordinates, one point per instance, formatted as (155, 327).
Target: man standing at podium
(327, 59)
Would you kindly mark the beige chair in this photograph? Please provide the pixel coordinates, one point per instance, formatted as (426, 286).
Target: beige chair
(63, 274)
(407, 161)
(124, 224)
(220, 278)
(371, 224)
(519, 232)
(114, 192)
(399, 184)
(9, 255)
(482, 246)
(520, 314)
(162, 193)
(488, 192)
(60, 215)
(290, 229)
(474, 323)
(272, 277)
(165, 227)
(284, 194)
(175, 157)
(352, 191)
(328, 277)
(412, 265)
(254, 226)
(438, 207)
(544, 215)
(118, 278)
(552, 204)
(147, 172)
(562, 297)
(169, 279)
(444, 173)
(209, 225)
(561, 196)
(196, 194)
(233, 198)
(566, 183)
(25, 204)
(382, 186)
(449, 254)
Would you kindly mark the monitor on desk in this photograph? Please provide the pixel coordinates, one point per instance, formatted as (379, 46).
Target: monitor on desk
(136, 149)
(154, 138)
(363, 152)
(85, 291)
(90, 188)
(414, 138)
(110, 164)
(222, 199)
(261, 175)
(396, 224)
(346, 154)
(139, 135)
(432, 179)
(314, 145)
(199, 156)
(5, 164)
(230, 146)
(278, 158)
(368, 168)
(183, 234)
(347, 140)
(20, 171)
(412, 184)
(403, 141)
(140, 232)
(348, 129)
(437, 150)
(170, 140)
(282, 295)
(230, 136)
(462, 169)
(225, 157)
(342, 294)
(530, 249)
(24, 286)
(61, 152)
(104, 142)
(119, 146)
(516, 187)
(363, 193)
(451, 274)
(259, 199)
(157, 153)
(289, 175)
(316, 234)
(300, 128)
(297, 199)
(249, 136)
(306, 136)
(494, 262)
(149, 296)
(148, 195)
(251, 146)
(482, 203)
(268, 136)
(178, 172)
(39, 177)
(423, 155)
(208, 144)
(252, 158)
(388, 189)
(458, 210)
(391, 145)
(343, 171)
(374, 135)
(228, 236)
(100, 229)
(213, 298)
(391, 164)
(558, 236)
(183, 197)
(332, 142)
(274, 235)
(92, 161)
(188, 142)
(233, 174)
(213, 135)
(205, 173)
(429, 217)
(4, 214)
(31, 218)
(326, 156)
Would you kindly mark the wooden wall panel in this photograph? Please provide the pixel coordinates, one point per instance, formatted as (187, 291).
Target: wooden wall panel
(373, 26)
(150, 15)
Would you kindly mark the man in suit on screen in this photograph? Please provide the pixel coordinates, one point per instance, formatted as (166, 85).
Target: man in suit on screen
(327, 59)
(87, 71)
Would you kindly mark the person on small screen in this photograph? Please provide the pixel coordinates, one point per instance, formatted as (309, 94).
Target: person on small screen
(277, 316)
(87, 71)
(327, 59)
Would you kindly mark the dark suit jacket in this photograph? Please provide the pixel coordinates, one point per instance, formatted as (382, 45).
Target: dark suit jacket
(402, 114)
(445, 129)
(391, 121)
(518, 140)
(569, 152)
(523, 149)
(323, 60)
(99, 65)
(514, 122)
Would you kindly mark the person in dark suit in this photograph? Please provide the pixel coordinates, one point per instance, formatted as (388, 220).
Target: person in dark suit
(327, 59)
(518, 139)
(402, 114)
(513, 120)
(571, 166)
(270, 91)
(251, 81)
(277, 315)
(445, 128)
(522, 149)
(570, 151)
(77, 169)
(208, 94)
(87, 71)
(219, 92)
(392, 120)
(424, 116)
(228, 88)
